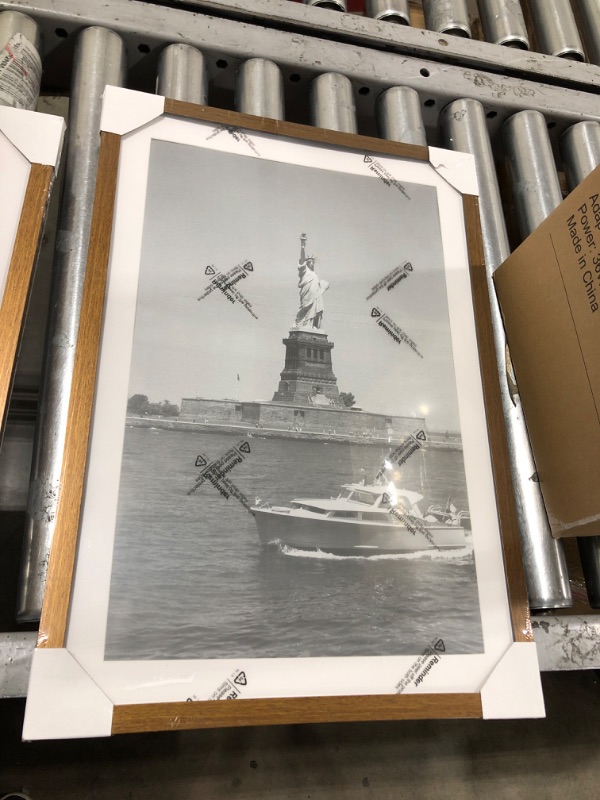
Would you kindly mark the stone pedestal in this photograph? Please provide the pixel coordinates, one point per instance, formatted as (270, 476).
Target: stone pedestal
(307, 377)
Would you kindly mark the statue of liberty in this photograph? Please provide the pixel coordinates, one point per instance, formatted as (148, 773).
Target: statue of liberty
(310, 313)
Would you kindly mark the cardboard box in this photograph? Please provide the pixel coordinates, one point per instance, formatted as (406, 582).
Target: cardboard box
(549, 293)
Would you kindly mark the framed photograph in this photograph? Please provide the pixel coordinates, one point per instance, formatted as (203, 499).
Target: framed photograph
(30, 146)
(286, 480)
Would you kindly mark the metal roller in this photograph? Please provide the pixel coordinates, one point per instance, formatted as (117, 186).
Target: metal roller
(556, 29)
(580, 149)
(99, 60)
(332, 103)
(503, 23)
(588, 12)
(537, 193)
(463, 128)
(20, 60)
(259, 89)
(388, 11)
(533, 173)
(333, 5)
(182, 74)
(399, 116)
(447, 16)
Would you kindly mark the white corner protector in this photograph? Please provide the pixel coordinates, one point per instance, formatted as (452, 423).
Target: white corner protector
(124, 110)
(514, 689)
(456, 168)
(63, 702)
(37, 136)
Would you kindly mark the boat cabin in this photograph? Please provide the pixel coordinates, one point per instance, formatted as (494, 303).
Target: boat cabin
(362, 503)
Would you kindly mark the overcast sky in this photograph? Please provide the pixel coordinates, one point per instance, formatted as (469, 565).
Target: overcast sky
(206, 207)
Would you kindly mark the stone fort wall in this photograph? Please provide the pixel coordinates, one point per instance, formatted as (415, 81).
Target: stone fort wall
(281, 416)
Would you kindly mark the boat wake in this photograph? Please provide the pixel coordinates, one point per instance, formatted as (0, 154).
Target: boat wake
(457, 556)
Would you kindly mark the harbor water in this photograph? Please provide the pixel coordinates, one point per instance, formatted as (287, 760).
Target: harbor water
(190, 579)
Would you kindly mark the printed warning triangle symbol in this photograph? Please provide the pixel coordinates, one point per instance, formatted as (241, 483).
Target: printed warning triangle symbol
(408, 267)
(440, 646)
(248, 266)
(245, 447)
(421, 436)
(375, 312)
(209, 270)
(201, 461)
(240, 679)
(368, 159)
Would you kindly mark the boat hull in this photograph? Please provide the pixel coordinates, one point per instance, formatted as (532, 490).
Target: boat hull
(356, 537)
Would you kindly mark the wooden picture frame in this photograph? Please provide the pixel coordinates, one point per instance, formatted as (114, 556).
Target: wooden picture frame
(30, 146)
(168, 169)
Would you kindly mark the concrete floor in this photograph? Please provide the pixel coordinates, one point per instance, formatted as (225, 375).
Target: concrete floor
(553, 758)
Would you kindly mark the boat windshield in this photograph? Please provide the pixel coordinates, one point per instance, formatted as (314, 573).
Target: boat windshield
(366, 498)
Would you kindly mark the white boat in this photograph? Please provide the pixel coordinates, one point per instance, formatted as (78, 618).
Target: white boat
(363, 520)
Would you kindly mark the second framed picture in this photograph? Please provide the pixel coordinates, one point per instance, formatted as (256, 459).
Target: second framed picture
(30, 147)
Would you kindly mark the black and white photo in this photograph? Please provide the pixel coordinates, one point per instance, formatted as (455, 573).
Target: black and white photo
(292, 480)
